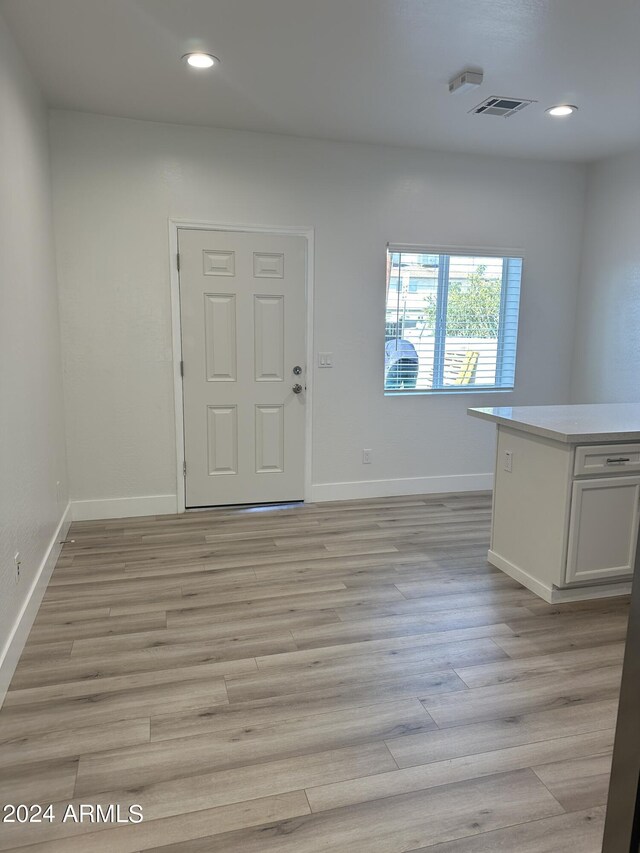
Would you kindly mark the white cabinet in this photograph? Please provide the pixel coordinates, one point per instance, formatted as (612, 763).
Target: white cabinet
(565, 516)
(603, 528)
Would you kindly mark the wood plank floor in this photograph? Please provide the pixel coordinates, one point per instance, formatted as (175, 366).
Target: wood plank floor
(339, 677)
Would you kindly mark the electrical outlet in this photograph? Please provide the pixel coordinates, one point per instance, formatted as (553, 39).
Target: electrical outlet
(366, 456)
(508, 461)
(18, 563)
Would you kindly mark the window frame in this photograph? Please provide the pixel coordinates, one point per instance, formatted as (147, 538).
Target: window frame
(446, 252)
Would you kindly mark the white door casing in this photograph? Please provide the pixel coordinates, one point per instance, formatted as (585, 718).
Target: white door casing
(243, 331)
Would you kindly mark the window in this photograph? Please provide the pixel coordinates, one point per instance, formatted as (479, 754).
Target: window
(451, 321)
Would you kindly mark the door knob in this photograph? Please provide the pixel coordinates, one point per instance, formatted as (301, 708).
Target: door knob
(297, 370)
(297, 389)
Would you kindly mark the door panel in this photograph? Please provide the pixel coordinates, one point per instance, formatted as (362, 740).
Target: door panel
(220, 337)
(269, 338)
(268, 265)
(243, 318)
(222, 439)
(603, 528)
(219, 263)
(269, 439)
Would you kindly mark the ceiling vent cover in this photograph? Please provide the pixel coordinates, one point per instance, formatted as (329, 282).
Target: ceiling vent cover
(504, 107)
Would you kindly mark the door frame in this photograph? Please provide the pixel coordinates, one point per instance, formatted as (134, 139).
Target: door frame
(176, 332)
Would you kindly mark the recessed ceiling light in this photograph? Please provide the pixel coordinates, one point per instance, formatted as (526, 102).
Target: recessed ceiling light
(200, 60)
(562, 110)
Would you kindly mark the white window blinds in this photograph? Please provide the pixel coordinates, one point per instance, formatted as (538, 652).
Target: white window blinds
(451, 320)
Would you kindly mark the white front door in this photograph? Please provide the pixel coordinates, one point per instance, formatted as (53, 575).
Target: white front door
(243, 318)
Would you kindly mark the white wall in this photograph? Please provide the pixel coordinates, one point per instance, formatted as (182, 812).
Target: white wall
(116, 184)
(606, 363)
(32, 451)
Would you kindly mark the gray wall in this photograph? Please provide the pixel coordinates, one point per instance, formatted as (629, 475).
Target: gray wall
(606, 360)
(116, 184)
(32, 446)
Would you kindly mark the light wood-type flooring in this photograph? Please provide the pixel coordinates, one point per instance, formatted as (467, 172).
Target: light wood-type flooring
(349, 677)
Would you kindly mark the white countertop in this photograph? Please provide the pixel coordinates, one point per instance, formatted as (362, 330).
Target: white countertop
(601, 422)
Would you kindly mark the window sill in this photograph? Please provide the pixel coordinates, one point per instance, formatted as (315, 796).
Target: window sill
(445, 392)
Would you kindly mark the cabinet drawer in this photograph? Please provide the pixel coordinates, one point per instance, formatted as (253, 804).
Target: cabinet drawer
(607, 459)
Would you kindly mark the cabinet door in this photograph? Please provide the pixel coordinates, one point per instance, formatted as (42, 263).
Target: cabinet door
(603, 529)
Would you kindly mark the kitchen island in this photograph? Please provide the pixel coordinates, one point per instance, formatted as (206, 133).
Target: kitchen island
(566, 498)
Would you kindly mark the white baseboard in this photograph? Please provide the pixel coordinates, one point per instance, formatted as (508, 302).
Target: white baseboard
(405, 486)
(587, 593)
(18, 636)
(94, 510)
(545, 592)
(124, 507)
(553, 595)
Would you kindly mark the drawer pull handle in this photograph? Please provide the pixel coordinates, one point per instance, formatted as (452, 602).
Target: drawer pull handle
(616, 460)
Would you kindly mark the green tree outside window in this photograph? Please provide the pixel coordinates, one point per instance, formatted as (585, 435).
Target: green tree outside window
(473, 306)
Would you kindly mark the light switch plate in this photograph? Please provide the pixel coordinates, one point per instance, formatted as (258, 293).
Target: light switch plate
(325, 359)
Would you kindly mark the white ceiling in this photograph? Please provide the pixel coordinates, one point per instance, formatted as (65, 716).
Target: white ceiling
(361, 70)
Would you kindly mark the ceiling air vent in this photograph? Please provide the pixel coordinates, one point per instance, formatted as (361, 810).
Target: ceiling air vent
(504, 107)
